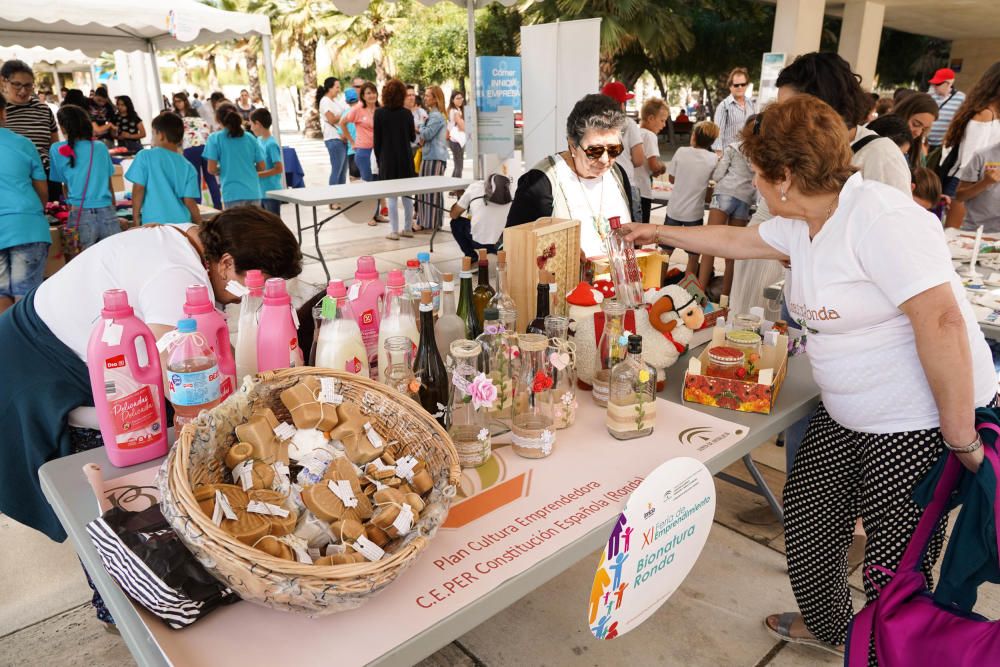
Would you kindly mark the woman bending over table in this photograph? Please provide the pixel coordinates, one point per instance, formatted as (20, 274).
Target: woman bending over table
(894, 346)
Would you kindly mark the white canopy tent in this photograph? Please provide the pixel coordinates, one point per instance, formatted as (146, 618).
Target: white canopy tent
(353, 7)
(125, 25)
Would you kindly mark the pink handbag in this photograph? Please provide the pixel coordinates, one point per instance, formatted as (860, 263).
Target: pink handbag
(910, 629)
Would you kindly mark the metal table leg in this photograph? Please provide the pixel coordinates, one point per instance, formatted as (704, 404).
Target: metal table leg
(760, 486)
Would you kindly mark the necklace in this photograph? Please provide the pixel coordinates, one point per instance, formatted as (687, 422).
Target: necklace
(601, 232)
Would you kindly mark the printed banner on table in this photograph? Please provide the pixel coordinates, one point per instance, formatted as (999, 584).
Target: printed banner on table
(511, 514)
(653, 546)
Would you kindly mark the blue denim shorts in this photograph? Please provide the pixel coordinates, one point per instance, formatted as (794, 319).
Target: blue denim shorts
(21, 268)
(96, 224)
(731, 206)
(683, 223)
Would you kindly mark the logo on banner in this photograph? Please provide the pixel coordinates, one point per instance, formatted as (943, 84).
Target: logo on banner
(672, 511)
(703, 437)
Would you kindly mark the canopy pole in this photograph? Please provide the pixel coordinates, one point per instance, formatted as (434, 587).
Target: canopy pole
(56, 84)
(471, 116)
(272, 93)
(158, 103)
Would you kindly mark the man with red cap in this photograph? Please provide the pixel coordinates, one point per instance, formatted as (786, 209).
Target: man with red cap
(948, 100)
(633, 155)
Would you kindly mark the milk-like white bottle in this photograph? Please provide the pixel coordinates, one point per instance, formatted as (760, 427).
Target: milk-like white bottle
(246, 334)
(397, 318)
(340, 345)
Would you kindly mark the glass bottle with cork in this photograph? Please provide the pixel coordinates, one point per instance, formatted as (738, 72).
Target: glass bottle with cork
(542, 300)
(466, 308)
(428, 367)
(502, 300)
(562, 357)
(623, 265)
(484, 292)
(631, 396)
(611, 349)
(473, 395)
(449, 326)
(532, 433)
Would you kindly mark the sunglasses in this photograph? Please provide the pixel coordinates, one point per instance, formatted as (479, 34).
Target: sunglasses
(737, 85)
(596, 151)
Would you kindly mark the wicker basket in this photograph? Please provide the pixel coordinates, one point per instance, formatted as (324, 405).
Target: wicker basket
(197, 459)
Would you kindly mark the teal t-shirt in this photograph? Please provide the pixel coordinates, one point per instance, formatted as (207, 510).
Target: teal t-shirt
(237, 158)
(22, 219)
(168, 177)
(272, 155)
(98, 193)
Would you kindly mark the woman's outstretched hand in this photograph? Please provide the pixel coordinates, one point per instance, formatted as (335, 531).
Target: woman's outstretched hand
(640, 233)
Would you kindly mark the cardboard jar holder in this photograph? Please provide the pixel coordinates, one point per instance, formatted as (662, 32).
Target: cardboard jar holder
(741, 395)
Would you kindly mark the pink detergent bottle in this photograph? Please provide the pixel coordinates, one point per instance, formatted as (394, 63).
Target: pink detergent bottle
(366, 296)
(128, 393)
(212, 325)
(277, 337)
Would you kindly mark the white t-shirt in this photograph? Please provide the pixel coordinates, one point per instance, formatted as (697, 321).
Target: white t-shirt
(589, 197)
(630, 137)
(155, 265)
(691, 168)
(488, 220)
(881, 160)
(643, 176)
(877, 251)
(337, 108)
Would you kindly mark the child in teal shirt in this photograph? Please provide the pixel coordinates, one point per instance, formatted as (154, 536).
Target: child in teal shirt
(270, 178)
(164, 183)
(24, 231)
(236, 157)
(84, 167)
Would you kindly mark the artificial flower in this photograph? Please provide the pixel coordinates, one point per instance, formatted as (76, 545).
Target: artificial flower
(541, 382)
(483, 392)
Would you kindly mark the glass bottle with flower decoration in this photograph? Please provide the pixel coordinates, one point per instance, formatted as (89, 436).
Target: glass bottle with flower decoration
(611, 348)
(498, 361)
(562, 358)
(631, 395)
(399, 373)
(533, 433)
(473, 395)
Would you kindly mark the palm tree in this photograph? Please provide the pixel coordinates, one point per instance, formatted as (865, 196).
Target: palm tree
(660, 28)
(302, 25)
(249, 47)
(204, 53)
(371, 32)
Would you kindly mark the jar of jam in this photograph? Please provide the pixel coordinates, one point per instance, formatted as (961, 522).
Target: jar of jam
(749, 343)
(725, 362)
(747, 322)
(781, 326)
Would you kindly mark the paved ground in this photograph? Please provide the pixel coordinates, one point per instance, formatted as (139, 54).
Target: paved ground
(714, 619)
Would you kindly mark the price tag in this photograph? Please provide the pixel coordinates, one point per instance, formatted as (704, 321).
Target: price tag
(166, 340)
(284, 431)
(368, 549)
(299, 546)
(244, 472)
(328, 391)
(378, 485)
(405, 466)
(404, 521)
(222, 509)
(258, 507)
(237, 289)
(112, 333)
(374, 437)
(342, 489)
(354, 292)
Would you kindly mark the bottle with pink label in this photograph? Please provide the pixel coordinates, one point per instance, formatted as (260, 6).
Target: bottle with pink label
(277, 335)
(366, 295)
(212, 325)
(127, 384)
(339, 344)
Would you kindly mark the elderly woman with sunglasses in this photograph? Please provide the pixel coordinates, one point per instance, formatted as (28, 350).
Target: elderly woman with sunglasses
(581, 183)
(894, 346)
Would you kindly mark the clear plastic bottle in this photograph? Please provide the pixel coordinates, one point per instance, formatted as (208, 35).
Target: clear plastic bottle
(631, 395)
(414, 279)
(502, 300)
(397, 317)
(192, 372)
(340, 345)
(468, 429)
(624, 268)
(610, 348)
(449, 326)
(246, 334)
(431, 278)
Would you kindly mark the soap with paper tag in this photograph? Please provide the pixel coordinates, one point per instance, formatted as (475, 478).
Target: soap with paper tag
(302, 401)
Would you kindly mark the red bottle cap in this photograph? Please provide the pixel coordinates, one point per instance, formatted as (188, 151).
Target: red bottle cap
(413, 263)
(615, 222)
(336, 289)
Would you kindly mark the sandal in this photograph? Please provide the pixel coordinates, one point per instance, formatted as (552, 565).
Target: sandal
(392, 236)
(417, 228)
(380, 218)
(406, 234)
(372, 223)
(782, 631)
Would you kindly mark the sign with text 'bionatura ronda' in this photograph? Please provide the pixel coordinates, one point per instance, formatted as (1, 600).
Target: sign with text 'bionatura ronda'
(652, 547)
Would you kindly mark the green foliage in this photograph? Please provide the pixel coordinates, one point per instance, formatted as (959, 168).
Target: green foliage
(908, 60)
(498, 31)
(432, 47)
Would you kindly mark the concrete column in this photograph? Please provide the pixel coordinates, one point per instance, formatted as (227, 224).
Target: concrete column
(860, 36)
(797, 27)
(975, 56)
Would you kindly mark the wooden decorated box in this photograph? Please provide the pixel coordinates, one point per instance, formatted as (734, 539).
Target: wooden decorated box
(552, 244)
(736, 394)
